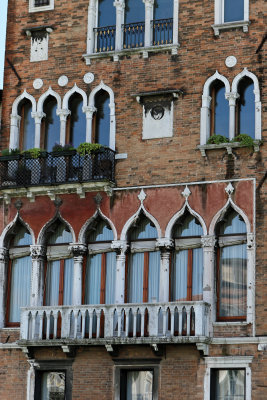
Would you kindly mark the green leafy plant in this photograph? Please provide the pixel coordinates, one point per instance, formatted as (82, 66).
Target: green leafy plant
(217, 139)
(10, 152)
(35, 152)
(88, 148)
(60, 147)
(244, 140)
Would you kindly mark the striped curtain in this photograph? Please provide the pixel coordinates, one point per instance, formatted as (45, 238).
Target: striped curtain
(20, 286)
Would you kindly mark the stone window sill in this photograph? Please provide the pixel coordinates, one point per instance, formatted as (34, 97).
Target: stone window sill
(230, 25)
(126, 52)
(228, 146)
(231, 323)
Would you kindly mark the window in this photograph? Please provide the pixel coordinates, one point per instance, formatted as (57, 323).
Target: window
(19, 274)
(219, 116)
(27, 125)
(59, 268)
(143, 267)
(50, 124)
(163, 22)
(102, 118)
(233, 10)
(134, 27)
(106, 26)
(227, 384)
(187, 263)
(136, 385)
(231, 14)
(76, 127)
(41, 5)
(231, 268)
(245, 110)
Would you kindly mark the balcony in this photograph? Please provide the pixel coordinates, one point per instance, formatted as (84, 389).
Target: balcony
(56, 168)
(175, 322)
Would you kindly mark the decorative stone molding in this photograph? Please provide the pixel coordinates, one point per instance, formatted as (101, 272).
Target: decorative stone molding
(38, 84)
(63, 80)
(3, 254)
(164, 244)
(230, 61)
(88, 78)
(77, 249)
(229, 189)
(230, 25)
(120, 246)
(142, 196)
(38, 252)
(250, 241)
(33, 8)
(186, 193)
(208, 241)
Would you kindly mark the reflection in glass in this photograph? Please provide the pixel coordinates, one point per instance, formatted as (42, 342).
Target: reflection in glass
(106, 13)
(220, 110)
(139, 385)
(134, 11)
(163, 9)
(77, 121)
(51, 124)
(228, 384)
(102, 118)
(233, 10)
(53, 386)
(28, 125)
(246, 117)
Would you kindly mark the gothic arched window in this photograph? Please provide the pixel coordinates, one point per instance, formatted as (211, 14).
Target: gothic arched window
(27, 125)
(246, 107)
(76, 129)
(102, 118)
(219, 116)
(50, 125)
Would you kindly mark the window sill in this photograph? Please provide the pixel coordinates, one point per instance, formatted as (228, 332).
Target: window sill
(230, 323)
(230, 25)
(126, 52)
(228, 146)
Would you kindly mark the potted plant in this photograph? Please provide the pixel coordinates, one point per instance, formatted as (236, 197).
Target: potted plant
(60, 150)
(35, 152)
(10, 154)
(217, 139)
(89, 148)
(244, 140)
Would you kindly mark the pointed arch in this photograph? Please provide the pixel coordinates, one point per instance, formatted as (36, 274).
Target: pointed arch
(49, 92)
(214, 77)
(223, 210)
(134, 217)
(98, 213)
(250, 75)
(75, 89)
(57, 216)
(102, 86)
(24, 95)
(11, 225)
(180, 213)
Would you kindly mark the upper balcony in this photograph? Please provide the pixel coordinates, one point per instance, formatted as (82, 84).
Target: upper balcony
(174, 322)
(56, 168)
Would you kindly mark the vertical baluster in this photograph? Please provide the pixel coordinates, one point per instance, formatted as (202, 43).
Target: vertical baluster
(48, 326)
(180, 312)
(32, 334)
(134, 322)
(90, 324)
(127, 323)
(188, 321)
(142, 323)
(76, 324)
(172, 321)
(41, 326)
(98, 314)
(119, 322)
(55, 324)
(164, 321)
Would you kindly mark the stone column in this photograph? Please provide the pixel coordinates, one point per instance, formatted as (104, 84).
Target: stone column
(38, 254)
(165, 246)
(78, 250)
(120, 6)
(205, 120)
(92, 23)
(251, 280)
(38, 116)
(120, 246)
(148, 18)
(14, 131)
(63, 114)
(175, 39)
(3, 282)
(89, 111)
(231, 97)
(209, 296)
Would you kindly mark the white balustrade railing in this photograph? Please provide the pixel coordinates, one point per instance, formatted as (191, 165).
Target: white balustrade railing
(115, 321)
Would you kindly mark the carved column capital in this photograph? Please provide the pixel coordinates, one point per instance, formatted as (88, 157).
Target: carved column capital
(3, 254)
(38, 116)
(120, 246)
(77, 249)
(164, 244)
(208, 241)
(89, 110)
(38, 252)
(63, 114)
(206, 101)
(119, 4)
(231, 97)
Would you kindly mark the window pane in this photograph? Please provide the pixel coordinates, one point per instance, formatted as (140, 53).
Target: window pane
(197, 278)
(228, 384)
(179, 276)
(102, 232)
(187, 226)
(246, 107)
(110, 278)
(60, 235)
(233, 10)
(52, 124)
(232, 223)
(144, 229)
(153, 276)
(53, 386)
(106, 13)
(28, 126)
(233, 281)
(139, 385)
(102, 118)
(221, 111)
(163, 9)
(68, 281)
(22, 238)
(20, 286)
(135, 278)
(52, 283)
(77, 121)
(93, 279)
(134, 11)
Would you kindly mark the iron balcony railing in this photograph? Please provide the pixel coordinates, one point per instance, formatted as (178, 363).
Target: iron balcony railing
(56, 168)
(162, 31)
(105, 38)
(133, 35)
(161, 320)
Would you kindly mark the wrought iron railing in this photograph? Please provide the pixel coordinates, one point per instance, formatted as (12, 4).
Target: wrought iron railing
(176, 319)
(105, 38)
(162, 31)
(133, 35)
(56, 168)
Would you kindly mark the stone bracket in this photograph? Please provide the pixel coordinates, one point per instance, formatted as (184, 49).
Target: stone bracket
(203, 348)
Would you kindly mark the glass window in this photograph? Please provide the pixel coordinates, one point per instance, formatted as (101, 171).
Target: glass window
(27, 126)
(77, 121)
(233, 10)
(40, 3)
(219, 110)
(231, 268)
(134, 11)
(187, 265)
(106, 13)
(51, 124)
(227, 384)
(53, 386)
(102, 118)
(136, 385)
(246, 107)
(163, 9)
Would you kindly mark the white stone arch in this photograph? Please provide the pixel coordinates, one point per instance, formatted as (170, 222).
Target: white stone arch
(49, 92)
(176, 216)
(75, 89)
(223, 210)
(15, 118)
(206, 101)
(134, 217)
(253, 77)
(98, 213)
(91, 109)
(42, 233)
(11, 225)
